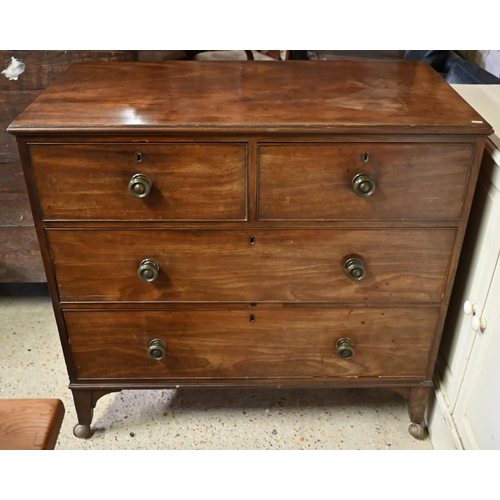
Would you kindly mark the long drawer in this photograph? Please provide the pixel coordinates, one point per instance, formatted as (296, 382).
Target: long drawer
(186, 181)
(251, 344)
(404, 181)
(252, 265)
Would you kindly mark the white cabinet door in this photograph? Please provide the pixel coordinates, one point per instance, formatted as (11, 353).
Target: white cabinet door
(477, 414)
(479, 256)
(466, 413)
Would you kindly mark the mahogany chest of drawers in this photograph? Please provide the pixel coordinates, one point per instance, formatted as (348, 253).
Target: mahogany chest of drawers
(255, 224)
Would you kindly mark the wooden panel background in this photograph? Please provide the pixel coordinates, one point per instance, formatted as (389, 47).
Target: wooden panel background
(20, 259)
(12, 103)
(14, 205)
(43, 66)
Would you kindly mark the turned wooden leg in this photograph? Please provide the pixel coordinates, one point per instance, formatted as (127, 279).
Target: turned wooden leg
(84, 412)
(419, 397)
(85, 402)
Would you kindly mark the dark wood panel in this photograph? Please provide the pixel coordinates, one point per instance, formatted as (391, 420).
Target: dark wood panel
(43, 66)
(20, 259)
(189, 181)
(314, 181)
(252, 96)
(281, 266)
(291, 343)
(15, 209)
(12, 103)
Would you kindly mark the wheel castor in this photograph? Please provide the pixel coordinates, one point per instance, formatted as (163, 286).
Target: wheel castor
(82, 431)
(417, 430)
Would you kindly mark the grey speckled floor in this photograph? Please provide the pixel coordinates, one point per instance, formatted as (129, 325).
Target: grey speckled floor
(31, 365)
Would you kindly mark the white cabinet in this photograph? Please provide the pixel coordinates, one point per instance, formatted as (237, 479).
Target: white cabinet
(477, 413)
(466, 411)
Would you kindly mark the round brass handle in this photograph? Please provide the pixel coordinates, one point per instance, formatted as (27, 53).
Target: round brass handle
(148, 270)
(363, 185)
(355, 269)
(345, 348)
(157, 349)
(140, 185)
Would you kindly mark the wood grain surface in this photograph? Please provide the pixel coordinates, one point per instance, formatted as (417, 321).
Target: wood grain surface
(12, 103)
(251, 96)
(30, 424)
(314, 181)
(43, 66)
(20, 259)
(190, 181)
(279, 343)
(15, 209)
(282, 265)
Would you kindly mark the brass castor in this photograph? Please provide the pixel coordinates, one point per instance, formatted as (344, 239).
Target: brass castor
(82, 431)
(417, 430)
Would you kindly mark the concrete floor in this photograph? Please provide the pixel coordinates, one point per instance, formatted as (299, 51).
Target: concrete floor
(32, 366)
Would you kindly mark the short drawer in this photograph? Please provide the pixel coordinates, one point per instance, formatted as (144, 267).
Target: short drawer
(315, 181)
(251, 344)
(251, 265)
(100, 181)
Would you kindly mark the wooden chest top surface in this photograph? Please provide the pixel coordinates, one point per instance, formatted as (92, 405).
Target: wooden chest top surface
(254, 96)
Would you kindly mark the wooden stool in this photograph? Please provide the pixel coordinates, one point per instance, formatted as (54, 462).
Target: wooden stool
(30, 424)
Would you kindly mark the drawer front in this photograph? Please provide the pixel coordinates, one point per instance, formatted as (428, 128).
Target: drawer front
(189, 181)
(315, 182)
(277, 343)
(280, 265)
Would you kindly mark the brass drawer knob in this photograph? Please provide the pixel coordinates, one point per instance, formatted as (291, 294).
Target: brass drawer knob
(355, 269)
(148, 270)
(157, 349)
(345, 348)
(140, 185)
(363, 185)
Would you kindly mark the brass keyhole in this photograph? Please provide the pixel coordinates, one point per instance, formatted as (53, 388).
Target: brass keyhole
(366, 157)
(251, 240)
(138, 157)
(252, 318)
